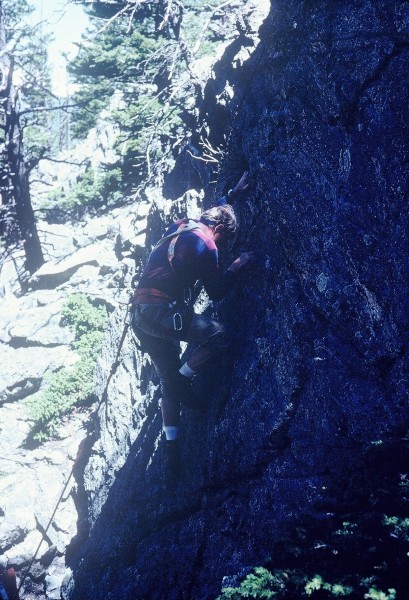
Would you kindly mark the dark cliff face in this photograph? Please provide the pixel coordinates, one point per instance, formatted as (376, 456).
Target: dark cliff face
(318, 369)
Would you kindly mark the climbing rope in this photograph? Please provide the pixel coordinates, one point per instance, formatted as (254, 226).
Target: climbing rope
(104, 398)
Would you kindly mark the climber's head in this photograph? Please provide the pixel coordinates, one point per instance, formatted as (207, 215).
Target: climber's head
(221, 221)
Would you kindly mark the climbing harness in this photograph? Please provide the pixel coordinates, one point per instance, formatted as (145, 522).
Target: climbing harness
(104, 398)
(187, 292)
(189, 226)
(179, 316)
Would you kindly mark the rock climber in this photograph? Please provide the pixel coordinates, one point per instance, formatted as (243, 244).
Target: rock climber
(163, 314)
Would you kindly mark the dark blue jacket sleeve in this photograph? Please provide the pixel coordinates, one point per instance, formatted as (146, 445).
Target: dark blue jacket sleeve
(216, 282)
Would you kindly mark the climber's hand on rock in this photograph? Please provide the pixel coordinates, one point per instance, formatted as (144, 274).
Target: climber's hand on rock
(243, 183)
(241, 261)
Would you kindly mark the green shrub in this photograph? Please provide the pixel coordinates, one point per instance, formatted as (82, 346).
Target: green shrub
(83, 317)
(72, 385)
(375, 594)
(358, 551)
(280, 584)
(399, 527)
(93, 188)
(259, 584)
(335, 590)
(283, 585)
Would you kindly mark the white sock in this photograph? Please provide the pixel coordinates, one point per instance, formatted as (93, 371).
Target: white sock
(171, 432)
(187, 371)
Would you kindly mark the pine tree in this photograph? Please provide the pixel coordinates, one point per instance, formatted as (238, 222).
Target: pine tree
(136, 64)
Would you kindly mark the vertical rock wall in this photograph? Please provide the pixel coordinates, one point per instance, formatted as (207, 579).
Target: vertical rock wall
(318, 369)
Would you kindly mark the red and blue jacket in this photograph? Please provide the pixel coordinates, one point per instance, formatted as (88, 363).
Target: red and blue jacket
(195, 258)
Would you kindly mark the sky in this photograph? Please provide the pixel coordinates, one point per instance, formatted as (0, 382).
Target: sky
(66, 22)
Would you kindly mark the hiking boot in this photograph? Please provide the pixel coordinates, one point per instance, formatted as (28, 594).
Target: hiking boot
(172, 461)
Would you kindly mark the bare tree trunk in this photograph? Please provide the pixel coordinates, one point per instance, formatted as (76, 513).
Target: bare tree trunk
(20, 189)
(17, 215)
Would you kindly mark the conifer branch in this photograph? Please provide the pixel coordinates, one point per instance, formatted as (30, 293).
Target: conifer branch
(41, 109)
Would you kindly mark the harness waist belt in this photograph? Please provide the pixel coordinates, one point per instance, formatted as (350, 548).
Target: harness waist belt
(150, 296)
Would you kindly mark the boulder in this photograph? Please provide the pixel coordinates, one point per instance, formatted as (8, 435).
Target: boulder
(24, 368)
(56, 240)
(17, 515)
(98, 228)
(40, 326)
(22, 553)
(15, 426)
(9, 279)
(63, 528)
(51, 275)
(54, 579)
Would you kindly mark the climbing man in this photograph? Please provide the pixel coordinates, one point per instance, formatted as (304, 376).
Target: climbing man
(163, 314)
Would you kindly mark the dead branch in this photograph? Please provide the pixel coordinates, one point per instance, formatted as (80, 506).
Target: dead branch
(64, 161)
(123, 10)
(210, 154)
(49, 108)
(131, 18)
(42, 183)
(148, 149)
(166, 16)
(206, 26)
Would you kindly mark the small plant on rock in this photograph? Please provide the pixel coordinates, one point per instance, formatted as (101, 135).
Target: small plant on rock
(72, 385)
(261, 583)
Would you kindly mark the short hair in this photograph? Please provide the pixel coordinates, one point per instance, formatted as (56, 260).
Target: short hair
(220, 215)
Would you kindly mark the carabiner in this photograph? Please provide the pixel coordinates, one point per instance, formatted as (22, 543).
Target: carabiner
(177, 322)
